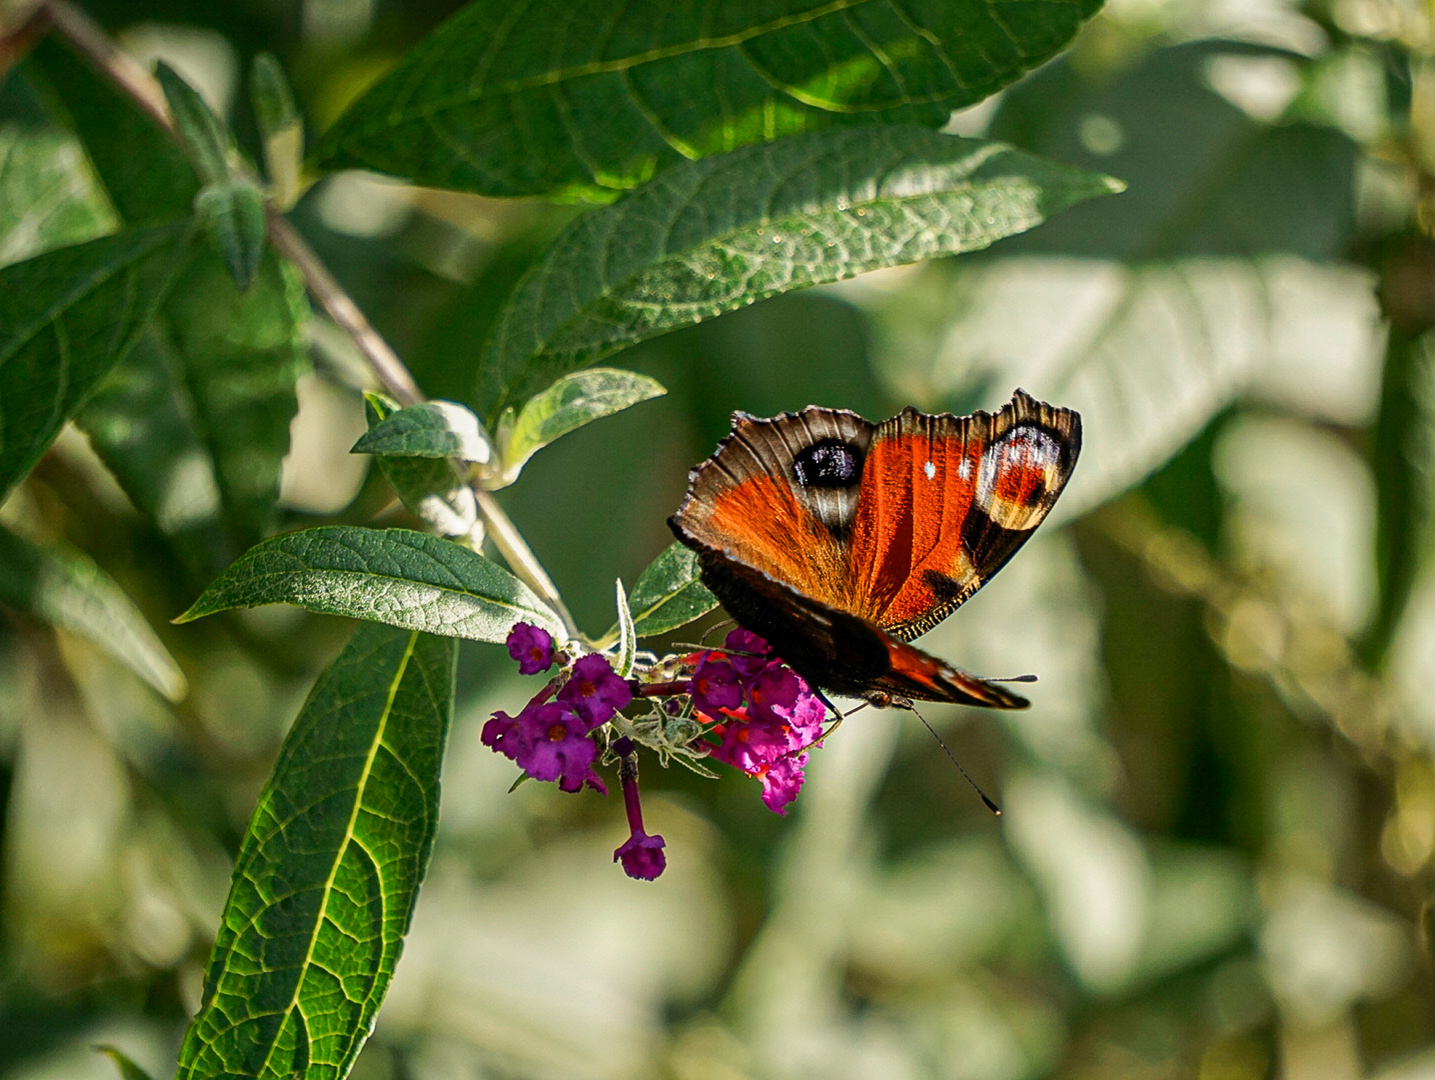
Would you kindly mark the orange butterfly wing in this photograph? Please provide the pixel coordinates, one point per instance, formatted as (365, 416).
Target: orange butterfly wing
(946, 500)
(752, 500)
(837, 540)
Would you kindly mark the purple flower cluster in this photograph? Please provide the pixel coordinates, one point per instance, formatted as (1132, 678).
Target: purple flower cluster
(552, 740)
(764, 714)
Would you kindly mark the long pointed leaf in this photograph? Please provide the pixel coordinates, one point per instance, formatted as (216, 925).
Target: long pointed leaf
(67, 317)
(231, 356)
(718, 234)
(551, 96)
(326, 880)
(396, 576)
(65, 588)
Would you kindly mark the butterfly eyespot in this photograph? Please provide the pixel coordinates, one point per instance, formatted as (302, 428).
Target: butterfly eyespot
(1016, 474)
(830, 463)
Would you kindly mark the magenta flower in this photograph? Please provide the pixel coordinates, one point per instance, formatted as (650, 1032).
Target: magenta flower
(595, 691)
(774, 692)
(641, 855)
(749, 746)
(715, 686)
(738, 641)
(532, 647)
(769, 736)
(554, 745)
(804, 717)
(781, 782)
(501, 734)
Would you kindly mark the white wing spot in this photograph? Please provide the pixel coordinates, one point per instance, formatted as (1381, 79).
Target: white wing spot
(964, 470)
(930, 470)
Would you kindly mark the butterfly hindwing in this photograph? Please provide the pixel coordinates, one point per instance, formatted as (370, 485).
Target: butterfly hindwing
(840, 651)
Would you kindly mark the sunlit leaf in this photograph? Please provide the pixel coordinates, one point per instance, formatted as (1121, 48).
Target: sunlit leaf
(406, 579)
(429, 486)
(1150, 317)
(713, 235)
(435, 429)
(544, 96)
(326, 879)
(64, 588)
(67, 317)
(670, 594)
(1083, 334)
(627, 636)
(48, 197)
(570, 403)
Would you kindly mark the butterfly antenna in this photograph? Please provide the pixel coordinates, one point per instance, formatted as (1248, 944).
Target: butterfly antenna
(990, 805)
(714, 628)
(1010, 678)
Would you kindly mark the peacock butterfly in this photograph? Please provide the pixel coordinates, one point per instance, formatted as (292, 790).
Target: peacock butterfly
(839, 540)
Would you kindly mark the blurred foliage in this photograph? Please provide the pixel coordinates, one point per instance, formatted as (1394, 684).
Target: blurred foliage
(1216, 850)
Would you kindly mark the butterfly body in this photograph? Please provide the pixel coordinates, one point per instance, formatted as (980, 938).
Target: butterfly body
(838, 540)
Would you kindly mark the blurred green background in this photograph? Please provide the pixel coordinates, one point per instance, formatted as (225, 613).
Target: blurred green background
(1215, 857)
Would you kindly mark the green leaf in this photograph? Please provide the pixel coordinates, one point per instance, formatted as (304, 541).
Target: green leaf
(434, 429)
(627, 636)
(330, 868)
(430, 487)
(213, 404)
(200, 129)
(144, 170)
(48, 197)
(714, 235)
(567, 405)
(240, 355)
(232, 215)
(669, 593)
(406, 579)
(1263, 188)
(273, 100)
(1152, 313)
(64, 588)
(126, 1065)
(66, 319)
(1403, 463)
(280, 126)
(138, 424)
(546, 97)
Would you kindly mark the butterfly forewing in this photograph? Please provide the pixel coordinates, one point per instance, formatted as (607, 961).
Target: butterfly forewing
(947, 500)
(777, 496)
